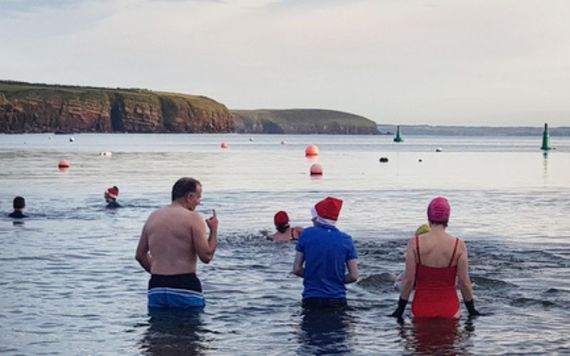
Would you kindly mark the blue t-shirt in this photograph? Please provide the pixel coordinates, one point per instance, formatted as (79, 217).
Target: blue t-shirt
(326, 250)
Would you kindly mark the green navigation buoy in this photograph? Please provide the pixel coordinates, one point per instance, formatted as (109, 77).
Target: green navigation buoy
(545, 139)
(398, 138)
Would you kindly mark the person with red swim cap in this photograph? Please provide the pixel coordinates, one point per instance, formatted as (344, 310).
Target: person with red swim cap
(435, 262)
(285, 232)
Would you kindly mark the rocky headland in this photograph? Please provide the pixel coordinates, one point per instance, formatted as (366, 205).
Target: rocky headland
(26, 107)
(47, 108)
(302, 121)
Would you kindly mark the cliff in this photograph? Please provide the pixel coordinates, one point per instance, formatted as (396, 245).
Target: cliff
(28, 107)
(302, 121)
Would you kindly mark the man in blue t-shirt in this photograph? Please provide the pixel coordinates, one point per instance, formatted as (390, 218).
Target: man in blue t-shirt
(326, 253)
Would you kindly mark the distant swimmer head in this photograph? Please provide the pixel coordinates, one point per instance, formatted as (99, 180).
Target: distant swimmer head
(423, 229)
(19, 203)
(438, 211)
(281, 221)
(112, 193)
(326, 211)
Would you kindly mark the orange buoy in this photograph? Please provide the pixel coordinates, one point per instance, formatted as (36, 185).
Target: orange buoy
(63, 164)
(316, 170)
(311, 150)
(223, 145)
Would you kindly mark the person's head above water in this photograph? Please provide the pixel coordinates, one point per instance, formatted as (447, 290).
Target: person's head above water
(111, 194)
(281, 221)
(19, 203)
(438, 211)
(187, 192)
(326, 211)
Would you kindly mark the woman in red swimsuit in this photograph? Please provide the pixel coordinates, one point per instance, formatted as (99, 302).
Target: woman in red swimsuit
(435, 262)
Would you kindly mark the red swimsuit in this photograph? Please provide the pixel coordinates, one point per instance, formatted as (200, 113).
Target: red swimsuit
(435, 289)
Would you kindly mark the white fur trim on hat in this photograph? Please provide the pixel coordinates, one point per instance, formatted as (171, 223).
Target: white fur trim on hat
(319, 220)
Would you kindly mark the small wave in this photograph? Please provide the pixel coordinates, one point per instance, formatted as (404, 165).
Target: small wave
(490, 283)
(528, 302)
(383, 280)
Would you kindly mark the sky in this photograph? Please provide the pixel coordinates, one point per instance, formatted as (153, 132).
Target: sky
(436, 62)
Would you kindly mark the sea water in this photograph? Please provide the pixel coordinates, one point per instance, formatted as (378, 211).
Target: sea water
(70, 285)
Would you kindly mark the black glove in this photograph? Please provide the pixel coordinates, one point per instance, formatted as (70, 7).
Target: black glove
(400, 310)
(471, 308)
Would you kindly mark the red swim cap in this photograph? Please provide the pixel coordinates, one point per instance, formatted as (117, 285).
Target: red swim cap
(438, 210)
(281, 218)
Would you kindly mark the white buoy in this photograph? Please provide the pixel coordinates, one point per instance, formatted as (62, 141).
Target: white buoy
(71, 139)
(106, 154)
(438, 149)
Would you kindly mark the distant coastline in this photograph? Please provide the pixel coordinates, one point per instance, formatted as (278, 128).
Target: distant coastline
(30, 107)
(436, 130)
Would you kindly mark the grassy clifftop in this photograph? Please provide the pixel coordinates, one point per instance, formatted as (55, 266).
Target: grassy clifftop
(26, 107)
(302, 121)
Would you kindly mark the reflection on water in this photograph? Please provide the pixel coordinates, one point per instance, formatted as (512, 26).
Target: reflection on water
(325, 331)
(545, 165)
(174, 333)
(437, 336)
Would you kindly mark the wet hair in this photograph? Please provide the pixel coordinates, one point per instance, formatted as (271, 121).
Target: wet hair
(444, 223)
(184, 186)
(19, 203)
(282, 227)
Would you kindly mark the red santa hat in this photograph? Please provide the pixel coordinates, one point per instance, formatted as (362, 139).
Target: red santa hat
(113, 192)
(326, 211)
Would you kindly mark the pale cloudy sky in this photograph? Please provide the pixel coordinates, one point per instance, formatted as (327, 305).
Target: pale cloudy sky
(451, 62)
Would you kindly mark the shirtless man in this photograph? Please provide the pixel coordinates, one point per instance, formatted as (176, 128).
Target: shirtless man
(172, 240)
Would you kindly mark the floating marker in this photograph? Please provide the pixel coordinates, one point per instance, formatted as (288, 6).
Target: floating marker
(438, 149)
(283, 142)
(398, 137)
(311, 151)
(63, 164)
(223, 145)
(545, 139)
(106, 154)
(316, 170)
(251, 139)
(71, 139)
(384, 159)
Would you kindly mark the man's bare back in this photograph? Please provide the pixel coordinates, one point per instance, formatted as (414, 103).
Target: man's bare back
(172, 240)
(170, 232)
(174, 236)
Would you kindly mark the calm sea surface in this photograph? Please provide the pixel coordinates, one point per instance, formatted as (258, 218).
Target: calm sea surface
(70, 285)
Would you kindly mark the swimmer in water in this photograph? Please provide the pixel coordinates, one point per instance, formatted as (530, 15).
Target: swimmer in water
(326, 258)
(435, 263)
(173, 239)
(285, 232)
(111, 195)
(19, 205)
